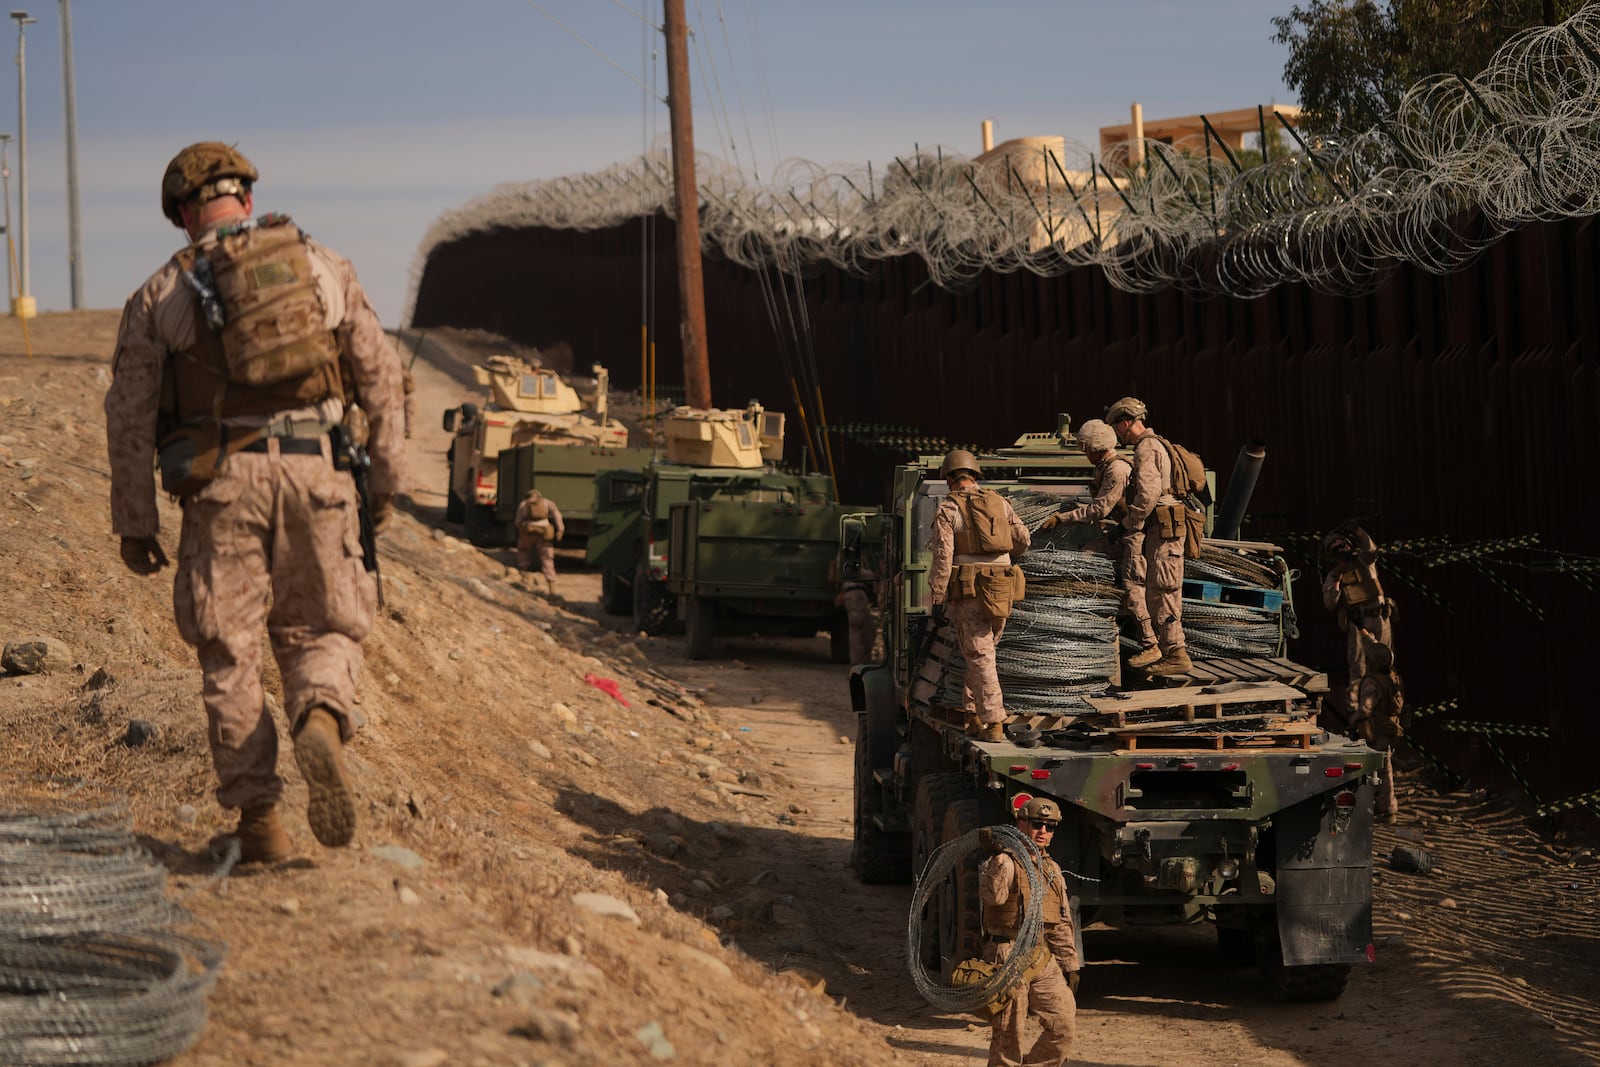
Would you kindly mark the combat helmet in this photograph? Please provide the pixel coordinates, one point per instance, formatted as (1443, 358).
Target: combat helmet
(960, 460)
(1096, 435)
(208, 169)
(1039, 808)
(1129, 407)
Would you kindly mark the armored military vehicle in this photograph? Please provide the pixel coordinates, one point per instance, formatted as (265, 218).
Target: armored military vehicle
(715, 537)
(1216, 799)
(529, 405)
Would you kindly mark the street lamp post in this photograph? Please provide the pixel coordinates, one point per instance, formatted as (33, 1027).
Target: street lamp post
(70, 102)
(23, 306)
(5, 190)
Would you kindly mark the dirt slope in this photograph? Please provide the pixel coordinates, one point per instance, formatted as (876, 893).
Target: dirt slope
(724, 824)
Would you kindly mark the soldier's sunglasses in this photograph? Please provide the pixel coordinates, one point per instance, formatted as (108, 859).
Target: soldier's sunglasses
(1047, 825)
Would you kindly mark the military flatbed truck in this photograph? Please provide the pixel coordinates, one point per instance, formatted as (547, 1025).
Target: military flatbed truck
(713, 537)
(1218, 799)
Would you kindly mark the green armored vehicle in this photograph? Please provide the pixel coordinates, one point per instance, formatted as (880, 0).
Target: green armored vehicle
(1214, 797)
(540, 431)
(714, 537)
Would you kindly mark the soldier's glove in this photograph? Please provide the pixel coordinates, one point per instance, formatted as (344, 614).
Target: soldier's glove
(143, 555)
(989, 842)
(1052, 522)
(381, 506)
(1073, 978)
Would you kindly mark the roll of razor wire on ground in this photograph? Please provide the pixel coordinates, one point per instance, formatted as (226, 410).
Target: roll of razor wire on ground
(90, 970)
(945, 859)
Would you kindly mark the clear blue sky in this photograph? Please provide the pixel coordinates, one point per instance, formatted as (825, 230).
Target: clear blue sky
(369, 118)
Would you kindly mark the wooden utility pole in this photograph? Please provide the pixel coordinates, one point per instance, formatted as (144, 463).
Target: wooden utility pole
(686, 197)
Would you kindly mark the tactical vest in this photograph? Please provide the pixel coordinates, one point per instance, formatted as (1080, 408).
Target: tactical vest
(538, 508)
(1120, 510)
(985, 527)
(261, 344)
(1006, 919)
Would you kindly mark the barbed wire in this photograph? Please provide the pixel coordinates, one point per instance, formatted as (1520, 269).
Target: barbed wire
(1457, 165)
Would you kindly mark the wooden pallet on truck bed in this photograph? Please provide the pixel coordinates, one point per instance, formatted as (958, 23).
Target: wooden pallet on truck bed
(1144, 709)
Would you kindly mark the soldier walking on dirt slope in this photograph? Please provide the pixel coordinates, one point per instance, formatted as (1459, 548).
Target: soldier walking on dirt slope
(252, 365)
(1048, 988)
(976, 534)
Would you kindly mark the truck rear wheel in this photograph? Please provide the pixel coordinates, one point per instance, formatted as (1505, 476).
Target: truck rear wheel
(960, 918)
(616, 595)
(652, 604)
(1312, 982)
(933, 796)
(700, 623)
(480, 525)
(875, 860)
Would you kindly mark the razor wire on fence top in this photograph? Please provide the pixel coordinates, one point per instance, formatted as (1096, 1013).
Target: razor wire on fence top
(1457, 165)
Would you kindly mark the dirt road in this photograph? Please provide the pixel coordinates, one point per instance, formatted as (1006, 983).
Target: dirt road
(1482, 961)
(499, 783)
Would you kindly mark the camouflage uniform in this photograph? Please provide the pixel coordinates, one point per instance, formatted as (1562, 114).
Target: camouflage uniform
(856, 597)
(533, 548)
(976, 631)
(1108, 502)
(1156, 564)
(409, 385)
(1372, 695)
(275, 538)
(1048, 995)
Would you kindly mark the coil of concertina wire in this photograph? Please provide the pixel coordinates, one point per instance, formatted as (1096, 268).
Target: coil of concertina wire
(91, 971)
(941, 863)
(1456, 166)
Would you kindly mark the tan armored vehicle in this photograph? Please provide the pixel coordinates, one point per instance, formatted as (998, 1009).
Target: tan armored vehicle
(528, 404)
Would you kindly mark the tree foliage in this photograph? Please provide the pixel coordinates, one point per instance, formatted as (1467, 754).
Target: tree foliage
(1350, 60)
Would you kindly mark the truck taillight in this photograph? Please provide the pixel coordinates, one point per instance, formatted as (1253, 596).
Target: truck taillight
(1333, 772)
(1144, 766)
(1230, 766)
(1186, 766)
(1352, 768)
(1346, 798)
(1041, 774)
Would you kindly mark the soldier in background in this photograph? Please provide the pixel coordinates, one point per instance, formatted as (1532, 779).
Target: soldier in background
(1048, 988)
(1373, 694)
(858, 597)
(1155, 525)
(972, 579)
(539, 527)
(249, 434)
(408, 385)
(1108, 504)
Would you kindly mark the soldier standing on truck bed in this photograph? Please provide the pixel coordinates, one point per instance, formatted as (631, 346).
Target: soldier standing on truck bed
(973, 580)
(1049, 988)
(539, 527)
(1108, 504)
(1373, 696)
(1156, 528)
(237, 364)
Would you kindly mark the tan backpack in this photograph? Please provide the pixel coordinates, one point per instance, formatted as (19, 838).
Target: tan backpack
(986, 526)
(257, 289)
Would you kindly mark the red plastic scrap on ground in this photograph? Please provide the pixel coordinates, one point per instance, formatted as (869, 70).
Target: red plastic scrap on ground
(607, 685)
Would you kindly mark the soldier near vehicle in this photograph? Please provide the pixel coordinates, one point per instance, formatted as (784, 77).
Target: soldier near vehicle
(1158, 526)
(1374, 696)
(539, 527)
(1048, 987)
(239, 364)
(973, 581)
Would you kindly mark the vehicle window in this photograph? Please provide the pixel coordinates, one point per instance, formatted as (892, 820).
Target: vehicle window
(528, 385)
(745, 440)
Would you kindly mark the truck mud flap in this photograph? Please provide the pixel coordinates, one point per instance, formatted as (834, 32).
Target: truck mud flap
(1324, 876)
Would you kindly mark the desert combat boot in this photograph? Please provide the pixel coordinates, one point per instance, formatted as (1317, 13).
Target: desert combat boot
(1144, 657)
(319, 752)
(1174, 662)
(262, 838)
